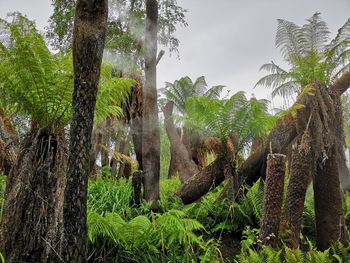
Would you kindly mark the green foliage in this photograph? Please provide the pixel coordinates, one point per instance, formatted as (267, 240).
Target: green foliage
(213, 117)
(38, 84)
(168, 199)
(33, 81)
(306, 50)
(165, 236)
(179, 91)
(253, 251)
(125, 26)
(110, 196)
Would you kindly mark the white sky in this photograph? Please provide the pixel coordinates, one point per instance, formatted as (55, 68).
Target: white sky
(226, 41)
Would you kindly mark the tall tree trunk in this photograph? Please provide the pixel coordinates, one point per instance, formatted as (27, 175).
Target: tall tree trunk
(181, 162)
(88, 43)
(32, 215)
(300, 171)
(151, 133)
(273, 197)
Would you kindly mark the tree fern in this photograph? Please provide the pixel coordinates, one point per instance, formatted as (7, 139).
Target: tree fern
(213, 117)
(39, 84)
(310, 57)
(181, 89)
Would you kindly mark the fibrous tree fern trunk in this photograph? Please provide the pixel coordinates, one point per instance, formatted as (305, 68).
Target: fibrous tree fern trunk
(328, 130)
(181, 161)
(150, 122)
(8, 143)
(32, 217)
(88, 43)
(300, 170)
(273, 197)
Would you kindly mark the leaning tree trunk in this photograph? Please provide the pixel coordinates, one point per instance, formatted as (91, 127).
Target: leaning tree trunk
(150, 122)
(181, 162)
(32, 216)
(201, 183)
(195, 147)
(211, 176)
(273, 197)
(88, 43)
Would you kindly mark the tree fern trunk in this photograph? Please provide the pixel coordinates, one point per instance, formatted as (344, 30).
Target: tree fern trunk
(330, 223)
(273, 197)
(301, 167)
(32, 215)
(88, 43)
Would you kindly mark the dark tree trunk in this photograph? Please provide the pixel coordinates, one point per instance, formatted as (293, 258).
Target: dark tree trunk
(137, 179)
(181, 162)
(300, 170)
(32, 216)
(125, 165)
(8, 143)
(150, 122)
(273, 197)
(136, 134)
(328, 129)
(88, 43)
(330, 223)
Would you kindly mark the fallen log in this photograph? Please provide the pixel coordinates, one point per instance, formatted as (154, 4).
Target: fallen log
(200, 184)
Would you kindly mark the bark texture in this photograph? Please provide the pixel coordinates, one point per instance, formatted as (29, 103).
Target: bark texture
(137, 179)
(88, 43)
(150, 122)
(181, 163)
(300, 171)
(8, 143)
(273, 197)
(32, 217)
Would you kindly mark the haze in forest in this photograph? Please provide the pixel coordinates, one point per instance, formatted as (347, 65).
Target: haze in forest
(226, 41)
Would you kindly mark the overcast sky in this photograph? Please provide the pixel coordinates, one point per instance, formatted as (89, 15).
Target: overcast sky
(226, 41)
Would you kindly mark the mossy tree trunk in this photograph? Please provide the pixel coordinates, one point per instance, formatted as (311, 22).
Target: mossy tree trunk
(88, 43)
(150, 122)
(273, 198)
